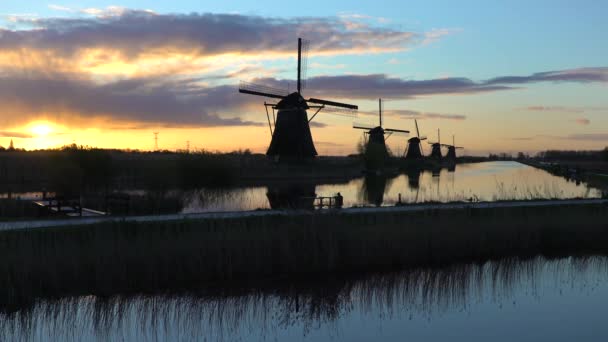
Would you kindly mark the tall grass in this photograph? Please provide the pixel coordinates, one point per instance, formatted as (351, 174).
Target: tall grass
(128, 258)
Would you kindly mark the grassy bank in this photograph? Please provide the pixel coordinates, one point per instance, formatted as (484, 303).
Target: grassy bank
(129, 258)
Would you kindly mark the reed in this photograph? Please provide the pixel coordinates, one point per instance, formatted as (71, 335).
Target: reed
(127, 257)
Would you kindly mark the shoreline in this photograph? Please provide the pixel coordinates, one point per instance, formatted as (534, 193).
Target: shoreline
(222, 215)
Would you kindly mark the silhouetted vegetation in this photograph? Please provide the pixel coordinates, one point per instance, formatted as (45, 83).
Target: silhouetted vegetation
(155, 257)
(204, 169)
(16, 209)
(555, 155)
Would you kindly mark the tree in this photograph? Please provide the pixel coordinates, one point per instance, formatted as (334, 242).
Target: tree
(11, 147)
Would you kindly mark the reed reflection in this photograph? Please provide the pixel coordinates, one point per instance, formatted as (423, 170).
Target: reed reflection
(304, 306)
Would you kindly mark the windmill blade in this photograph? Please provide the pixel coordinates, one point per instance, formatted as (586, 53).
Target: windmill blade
(261, 90)
(333, 104)
(417, 131)
(422, 137)
(362, 126)
(393, 130)
(340, 111)
(304, 62)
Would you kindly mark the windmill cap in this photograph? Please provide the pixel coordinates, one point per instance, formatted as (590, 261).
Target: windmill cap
(293, 100)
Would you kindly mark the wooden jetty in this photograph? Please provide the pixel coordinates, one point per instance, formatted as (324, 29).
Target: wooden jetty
(70, 207)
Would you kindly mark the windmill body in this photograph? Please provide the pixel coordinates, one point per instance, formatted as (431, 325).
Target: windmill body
(436, 151)
(290, 129)
(451, 155)
(292, 137)
(414, 147)
(436, 148)
(376, 136)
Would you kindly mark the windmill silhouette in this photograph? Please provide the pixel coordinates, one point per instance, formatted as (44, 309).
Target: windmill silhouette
(414, 148)
(452, 149)
(376, 134)
(436, 147)
(290, 129)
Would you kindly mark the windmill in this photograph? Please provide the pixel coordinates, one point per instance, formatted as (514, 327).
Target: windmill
(376, 135)
(436, 147)
(414, 148)
(452, 149)
(290, 128)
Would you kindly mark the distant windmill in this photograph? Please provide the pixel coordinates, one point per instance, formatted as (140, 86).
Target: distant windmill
(291, 137)
(414, 148)
(436, 147)
(376, 135)
(452, 149)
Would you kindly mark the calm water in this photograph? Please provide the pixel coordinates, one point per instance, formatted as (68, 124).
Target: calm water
(504, 300)
(489, 181)
(479, 181)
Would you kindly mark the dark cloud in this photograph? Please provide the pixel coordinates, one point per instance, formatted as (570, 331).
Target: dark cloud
(580, 137)
(580, 75)
(133, 32)
(564, 109)
(328, 144)
(583, 121)
(588, 137)
(317, 124)
(414, 114)
(522, 138)
(5, 134)
(172, 102)
(382, 85)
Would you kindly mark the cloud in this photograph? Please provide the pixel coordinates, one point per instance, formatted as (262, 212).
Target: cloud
(192, 101)
(588, 137)
(385, 86)
(413, 114)
(436, 34)
(382, 85)
(583, 121)
(123, 35)
(6, 134)
(60, 8)
(579, 137)
(522, 138)
(318, 124)
(170, 102)
(561, 109)
(328, 144)
(564, 109)
(579, 75)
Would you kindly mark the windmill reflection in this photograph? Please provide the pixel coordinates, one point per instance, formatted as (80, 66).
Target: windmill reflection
(291, 195)
(374, 187)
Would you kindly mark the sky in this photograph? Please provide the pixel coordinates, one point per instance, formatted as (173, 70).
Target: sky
(507, 77)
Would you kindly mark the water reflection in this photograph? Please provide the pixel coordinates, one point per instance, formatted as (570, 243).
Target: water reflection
(488, 181)
(373, 189)
(493, 300)
(291, 195)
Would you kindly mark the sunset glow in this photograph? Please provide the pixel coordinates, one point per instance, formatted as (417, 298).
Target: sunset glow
(41, 129)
